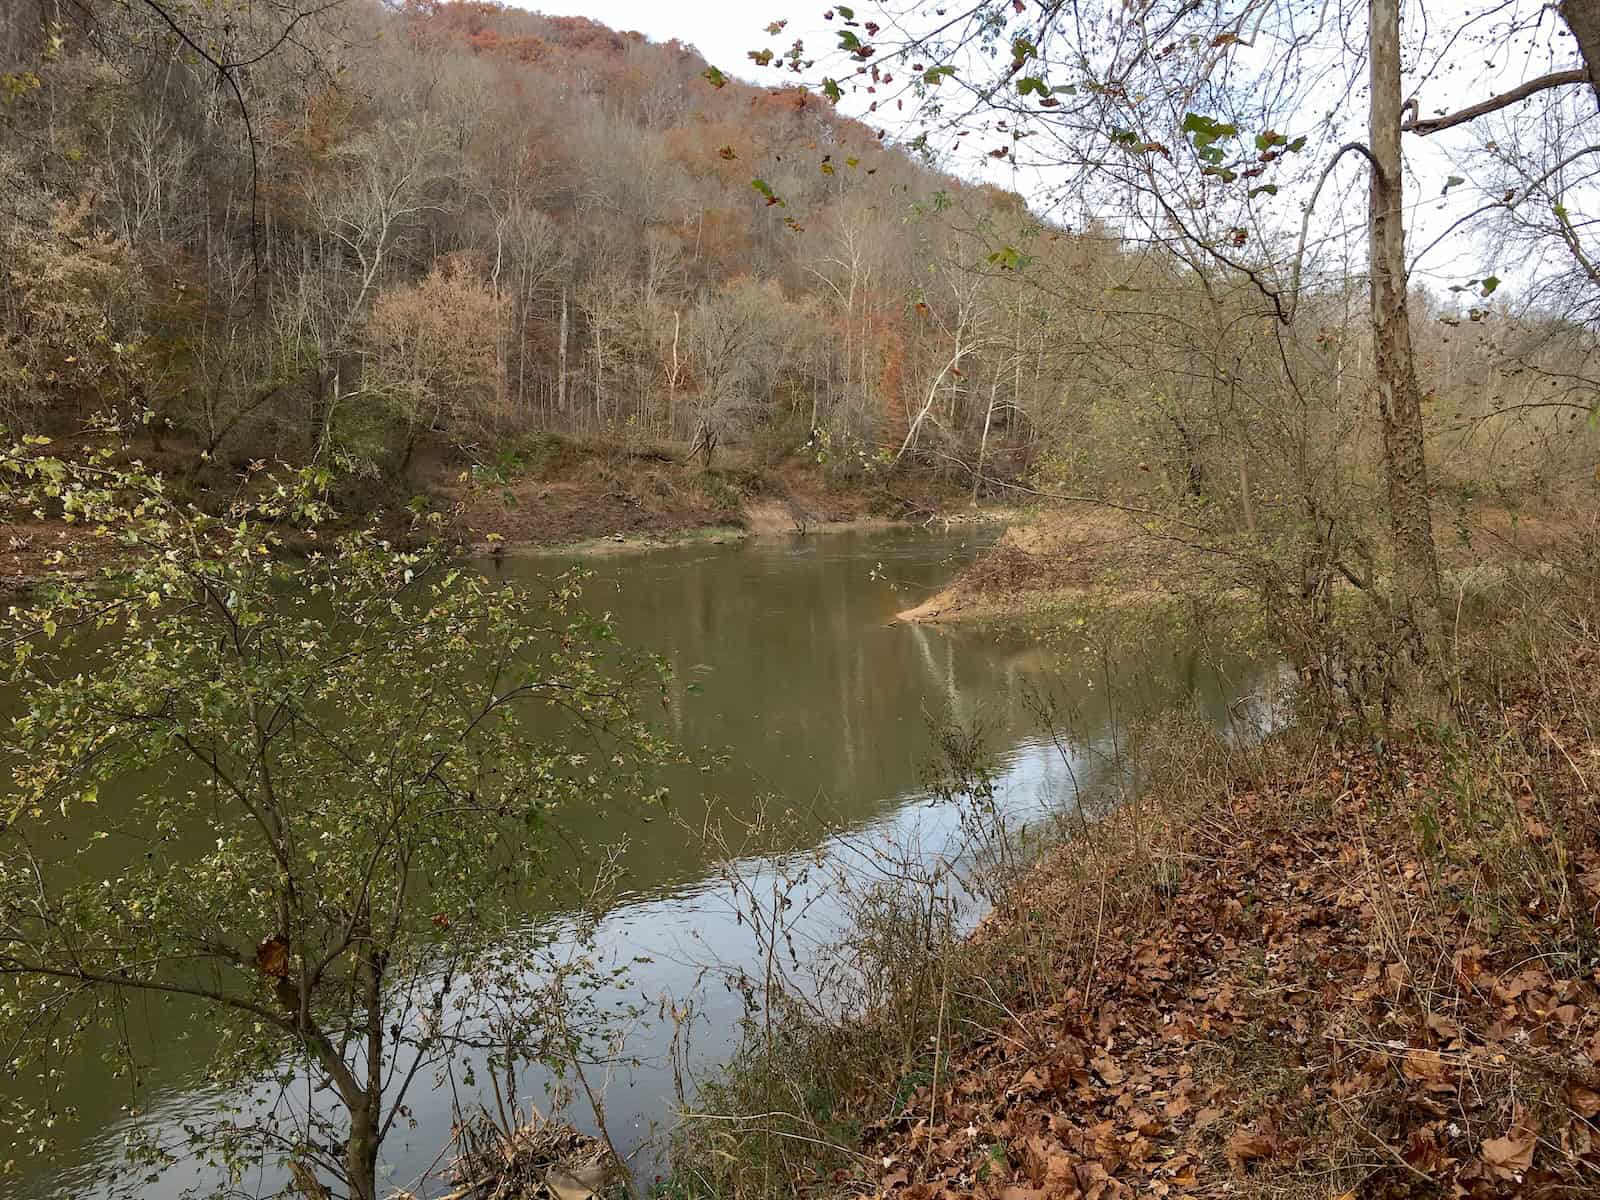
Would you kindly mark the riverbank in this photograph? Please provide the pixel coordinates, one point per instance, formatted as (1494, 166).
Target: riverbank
(605, 503)
(1320, 966)
(1061, 558)
(1072, 557)
(559, 497)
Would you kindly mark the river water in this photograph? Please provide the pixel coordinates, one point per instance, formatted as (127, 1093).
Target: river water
(787, 661)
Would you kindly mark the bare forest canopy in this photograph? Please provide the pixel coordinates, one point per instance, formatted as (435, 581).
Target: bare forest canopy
(337, 236)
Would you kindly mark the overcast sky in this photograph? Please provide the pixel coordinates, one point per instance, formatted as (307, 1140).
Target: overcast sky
(722, 30)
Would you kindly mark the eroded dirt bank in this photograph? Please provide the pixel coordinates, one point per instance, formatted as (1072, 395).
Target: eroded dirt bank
(1055, 557)
(583, 500)
(594, 503)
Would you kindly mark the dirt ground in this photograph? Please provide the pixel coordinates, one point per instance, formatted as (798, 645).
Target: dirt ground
(1058, 554)
(595, 498)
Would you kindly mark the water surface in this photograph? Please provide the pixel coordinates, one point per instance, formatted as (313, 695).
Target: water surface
(787, 660)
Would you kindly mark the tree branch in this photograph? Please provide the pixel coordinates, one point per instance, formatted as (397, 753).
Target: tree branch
(19, 968)
(1427, 125)
(1305, 223)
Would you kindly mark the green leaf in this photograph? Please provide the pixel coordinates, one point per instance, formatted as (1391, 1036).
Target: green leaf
(1031, 85)
(1452, 181)
(714, 77)
(1266, 189)
(830, 89)
(1009, 258)
(1206, 130)
(1490, 283)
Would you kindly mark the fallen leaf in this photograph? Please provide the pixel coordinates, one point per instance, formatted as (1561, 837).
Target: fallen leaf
(1247, 1145)
(1108, 1070)
(1512, 1153)
(272, 956)
(1585, 1101)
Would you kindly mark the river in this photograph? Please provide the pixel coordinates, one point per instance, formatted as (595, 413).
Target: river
(786, 659)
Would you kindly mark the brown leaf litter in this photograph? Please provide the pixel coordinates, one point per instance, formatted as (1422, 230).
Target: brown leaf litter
(1364, 984)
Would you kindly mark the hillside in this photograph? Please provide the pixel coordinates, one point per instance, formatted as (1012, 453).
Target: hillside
(419, 239)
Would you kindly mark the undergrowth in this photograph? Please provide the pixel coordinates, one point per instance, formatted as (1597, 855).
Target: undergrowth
(1324, 964)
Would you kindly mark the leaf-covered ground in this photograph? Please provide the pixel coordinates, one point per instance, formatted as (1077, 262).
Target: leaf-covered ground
(1363, 972)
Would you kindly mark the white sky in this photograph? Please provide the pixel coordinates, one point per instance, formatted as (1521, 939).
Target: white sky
(722, 30)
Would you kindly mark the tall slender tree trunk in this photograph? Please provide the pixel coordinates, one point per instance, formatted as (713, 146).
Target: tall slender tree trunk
(983, 445)
(1399, 395)
(361, 1154)
(561, 359)
(672, 380)
(522, 340)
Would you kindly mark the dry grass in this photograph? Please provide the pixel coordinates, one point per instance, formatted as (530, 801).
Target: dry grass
(1077, 554)
(1363, 966)
(535, 1159)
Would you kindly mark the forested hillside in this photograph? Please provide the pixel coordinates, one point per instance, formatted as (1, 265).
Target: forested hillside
(455, 225)
(370, 234)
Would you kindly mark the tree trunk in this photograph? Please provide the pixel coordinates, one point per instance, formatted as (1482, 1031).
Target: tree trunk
(361, 1153)
(1246, 500)
(983, 445)
(523, 317)
(1399, 395)
(1583, 18)
(561, 359)
(672, 381)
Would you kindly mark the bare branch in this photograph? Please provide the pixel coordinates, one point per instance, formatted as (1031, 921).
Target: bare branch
(1305, 223)
(1427, 125)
